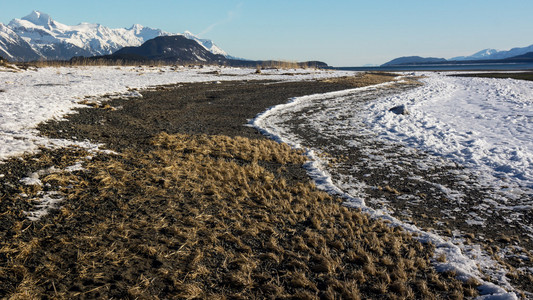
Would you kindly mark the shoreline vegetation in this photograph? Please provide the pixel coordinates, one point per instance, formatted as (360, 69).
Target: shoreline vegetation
(192, 204)
(125, 60)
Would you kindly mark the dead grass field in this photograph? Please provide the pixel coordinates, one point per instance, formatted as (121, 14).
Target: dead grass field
(209, 217)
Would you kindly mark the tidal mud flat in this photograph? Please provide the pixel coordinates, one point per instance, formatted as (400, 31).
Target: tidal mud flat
(192, 204)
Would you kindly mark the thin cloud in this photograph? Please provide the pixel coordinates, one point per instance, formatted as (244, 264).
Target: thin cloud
(230, 16)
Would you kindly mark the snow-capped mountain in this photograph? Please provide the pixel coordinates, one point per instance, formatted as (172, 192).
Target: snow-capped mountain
(50, 39)
(13, 47)
(483, 54)
(486, 54)
(495, 54)
(53, 40)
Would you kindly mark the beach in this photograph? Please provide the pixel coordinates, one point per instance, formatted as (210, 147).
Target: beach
(188, 202)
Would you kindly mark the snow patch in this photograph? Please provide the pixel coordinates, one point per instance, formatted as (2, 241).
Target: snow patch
(482, 123)
(47, 202)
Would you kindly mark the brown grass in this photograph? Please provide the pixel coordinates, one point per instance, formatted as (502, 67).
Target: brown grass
(363, 79)
(210, 217)
(283, 64)
(8, 67)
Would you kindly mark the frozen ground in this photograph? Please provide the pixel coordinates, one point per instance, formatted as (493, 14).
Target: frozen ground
(497, 148)
(33, 96)
(484, 125)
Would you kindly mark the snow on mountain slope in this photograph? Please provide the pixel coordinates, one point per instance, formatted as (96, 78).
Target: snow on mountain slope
(13, 47)
(483, 54)
(50, 39)
(7, 37)
(43, 33)
(496, 54)
(207, 44)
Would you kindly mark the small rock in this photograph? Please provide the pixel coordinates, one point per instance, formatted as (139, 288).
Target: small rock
(400, 110)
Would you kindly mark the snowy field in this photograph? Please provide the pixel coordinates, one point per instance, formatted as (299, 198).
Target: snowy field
(483, 124)
(30, 97)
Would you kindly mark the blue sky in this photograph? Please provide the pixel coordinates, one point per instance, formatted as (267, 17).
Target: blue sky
(341, 33)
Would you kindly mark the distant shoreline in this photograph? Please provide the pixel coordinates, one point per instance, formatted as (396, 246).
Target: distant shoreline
(445, 67)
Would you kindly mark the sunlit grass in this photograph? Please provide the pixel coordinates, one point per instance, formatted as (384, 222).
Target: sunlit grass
(210, 217)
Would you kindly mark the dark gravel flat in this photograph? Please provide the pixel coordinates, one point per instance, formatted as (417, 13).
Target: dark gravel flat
(198, 108)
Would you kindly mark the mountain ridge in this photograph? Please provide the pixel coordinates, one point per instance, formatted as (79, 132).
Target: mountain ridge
(490, 55)
(496, 54)
(175, 48)
(38, 36)
(179, 49)
(416, 60)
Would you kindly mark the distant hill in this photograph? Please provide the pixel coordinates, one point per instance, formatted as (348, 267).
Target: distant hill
(414, 60)
(172, 48)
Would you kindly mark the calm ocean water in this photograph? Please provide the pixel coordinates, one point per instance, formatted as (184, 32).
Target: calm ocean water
(450, 67)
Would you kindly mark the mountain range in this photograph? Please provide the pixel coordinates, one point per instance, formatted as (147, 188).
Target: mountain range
(38, 37)
(495, 54)
(182, 50)
(483, 56)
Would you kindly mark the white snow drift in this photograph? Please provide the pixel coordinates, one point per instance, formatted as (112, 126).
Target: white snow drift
(482, 123)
